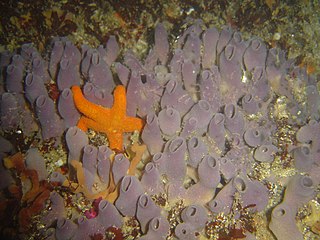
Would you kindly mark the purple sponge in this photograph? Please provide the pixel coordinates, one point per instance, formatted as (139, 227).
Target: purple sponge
(130, 188)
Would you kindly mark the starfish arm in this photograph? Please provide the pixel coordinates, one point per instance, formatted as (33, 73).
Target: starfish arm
(119, 102)
(82, 124)
(132, 123)
(85, 123)
(84, 106)
(115, 140)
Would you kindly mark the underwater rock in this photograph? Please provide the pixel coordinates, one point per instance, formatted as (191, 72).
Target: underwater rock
(211, 105)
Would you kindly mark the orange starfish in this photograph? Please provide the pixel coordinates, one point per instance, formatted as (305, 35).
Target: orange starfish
(112, 121)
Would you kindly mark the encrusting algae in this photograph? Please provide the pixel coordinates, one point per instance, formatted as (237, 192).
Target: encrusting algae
(110, 192)
(33, 194)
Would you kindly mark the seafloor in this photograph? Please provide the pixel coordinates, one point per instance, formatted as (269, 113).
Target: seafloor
(290, 25)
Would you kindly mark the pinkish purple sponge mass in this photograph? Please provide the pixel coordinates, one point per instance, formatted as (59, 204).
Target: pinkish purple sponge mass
(230, 134)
